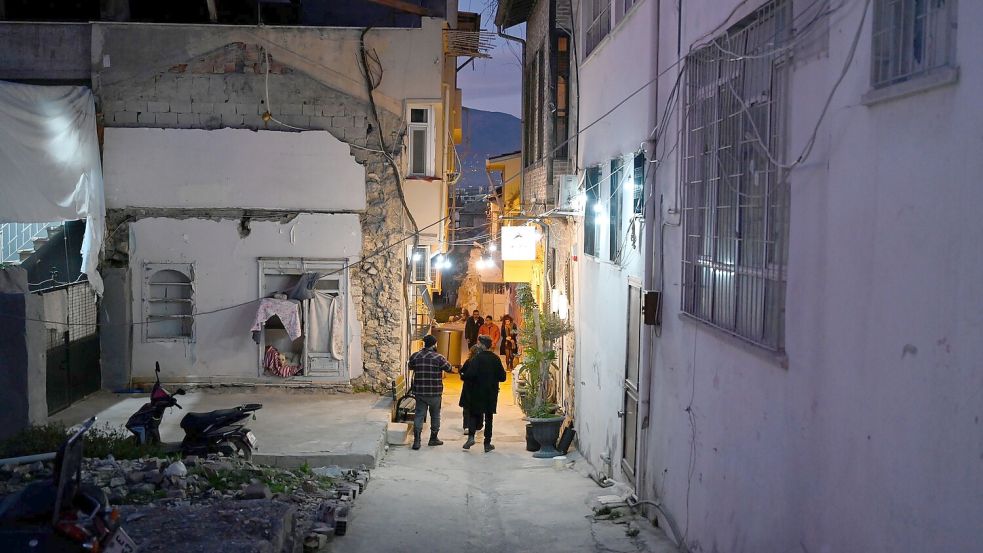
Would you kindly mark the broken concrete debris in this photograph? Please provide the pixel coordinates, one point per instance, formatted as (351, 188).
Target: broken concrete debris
(165, 500)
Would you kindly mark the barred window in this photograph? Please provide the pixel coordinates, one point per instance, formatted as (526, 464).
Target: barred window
(735, 196)
(910, 38)
(598, 23)
(591, 209)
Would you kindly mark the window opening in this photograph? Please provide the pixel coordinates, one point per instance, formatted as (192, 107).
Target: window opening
(735, 197)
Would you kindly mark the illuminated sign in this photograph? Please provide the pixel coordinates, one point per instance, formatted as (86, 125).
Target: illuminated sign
(519, 243)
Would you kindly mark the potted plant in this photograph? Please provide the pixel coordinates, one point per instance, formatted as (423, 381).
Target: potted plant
(542, 330)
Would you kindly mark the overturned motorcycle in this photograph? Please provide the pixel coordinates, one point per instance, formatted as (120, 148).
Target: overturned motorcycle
(62, 514)
(213, 432)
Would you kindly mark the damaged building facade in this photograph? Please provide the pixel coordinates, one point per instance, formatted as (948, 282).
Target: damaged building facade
(246, 161)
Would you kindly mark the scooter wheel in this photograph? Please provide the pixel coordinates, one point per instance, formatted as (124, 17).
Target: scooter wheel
(241, 449)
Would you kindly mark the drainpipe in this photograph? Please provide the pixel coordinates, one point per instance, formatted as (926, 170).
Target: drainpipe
(522, 130)
(652, 215)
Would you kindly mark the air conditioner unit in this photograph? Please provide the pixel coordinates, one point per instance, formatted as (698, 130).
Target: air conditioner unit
(420, 265)
(568, 194)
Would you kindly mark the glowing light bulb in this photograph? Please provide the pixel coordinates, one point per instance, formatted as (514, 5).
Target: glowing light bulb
(492, 247)
(416, 256)
(598, 207)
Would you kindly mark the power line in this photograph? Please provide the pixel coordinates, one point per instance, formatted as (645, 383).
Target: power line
(346, 266)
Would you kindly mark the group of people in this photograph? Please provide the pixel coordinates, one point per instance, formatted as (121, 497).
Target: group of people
(481, 375)
(506, 337)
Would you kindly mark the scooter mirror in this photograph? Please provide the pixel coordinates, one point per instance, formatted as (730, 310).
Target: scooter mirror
(158, 367)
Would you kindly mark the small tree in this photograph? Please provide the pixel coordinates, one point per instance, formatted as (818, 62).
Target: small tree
(538, 354)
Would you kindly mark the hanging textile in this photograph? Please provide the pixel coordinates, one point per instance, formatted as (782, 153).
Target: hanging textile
(287, 310)
(50, 167)
(276, 363)
(325, 324)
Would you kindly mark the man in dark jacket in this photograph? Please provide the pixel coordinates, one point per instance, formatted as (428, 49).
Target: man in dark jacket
(428, 367)
(471, 328)
(481, 376)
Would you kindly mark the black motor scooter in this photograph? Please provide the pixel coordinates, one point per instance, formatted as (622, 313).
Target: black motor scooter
(62, 514)
(213, 432)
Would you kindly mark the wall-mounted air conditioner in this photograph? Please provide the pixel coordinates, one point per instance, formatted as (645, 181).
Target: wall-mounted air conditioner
(568, 198)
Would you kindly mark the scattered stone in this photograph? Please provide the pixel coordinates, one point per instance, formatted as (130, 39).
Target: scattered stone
(191, 460)
(332, 471)
(37, 466)
(117, 482)
(257, 491)
(134, 477)
(309, 487)
(151, 465)
(145, 489)
(153, 477)
(176, 494)
(176, 468)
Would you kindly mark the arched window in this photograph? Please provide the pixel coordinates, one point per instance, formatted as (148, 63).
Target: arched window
(168, 302)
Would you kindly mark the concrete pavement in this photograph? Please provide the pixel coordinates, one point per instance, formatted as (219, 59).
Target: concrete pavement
(293, 427)
(447, 500)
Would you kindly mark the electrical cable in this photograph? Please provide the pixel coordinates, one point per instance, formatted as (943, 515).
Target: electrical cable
(345, 267)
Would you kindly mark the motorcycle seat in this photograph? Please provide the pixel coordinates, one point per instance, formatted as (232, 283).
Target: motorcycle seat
(196, 422)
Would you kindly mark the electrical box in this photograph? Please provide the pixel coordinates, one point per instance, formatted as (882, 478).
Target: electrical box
(652, 308)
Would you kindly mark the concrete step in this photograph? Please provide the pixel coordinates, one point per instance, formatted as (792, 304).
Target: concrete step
(24, 254)
(39, 243)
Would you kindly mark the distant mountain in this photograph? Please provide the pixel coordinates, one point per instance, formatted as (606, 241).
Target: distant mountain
(486, 134)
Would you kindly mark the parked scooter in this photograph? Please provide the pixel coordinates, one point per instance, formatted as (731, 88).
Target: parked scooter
(62, 514)
(212, 432)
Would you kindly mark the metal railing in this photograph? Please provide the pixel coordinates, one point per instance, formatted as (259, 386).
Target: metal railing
(15, 237)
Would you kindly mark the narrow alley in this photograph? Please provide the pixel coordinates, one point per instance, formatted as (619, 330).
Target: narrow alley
(446, 499)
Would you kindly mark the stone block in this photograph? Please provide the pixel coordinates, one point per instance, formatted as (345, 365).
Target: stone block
(359, 121)
(397, 433)
(199, 88)
(158, 107)
(310, 109)
(343, 122)
(332, 109)
(187, 120)
(225, 109)
(181, 106)
(233, 120)
(167, 119)
(136, 106)
(147, 118)
(202, 107)
(291, 109)
(254, 122)
(301, 122)
(322, 123)
(249, 109)
(111, 106)
(183, 88)
(209, 121)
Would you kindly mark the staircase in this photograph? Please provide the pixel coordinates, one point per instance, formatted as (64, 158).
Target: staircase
(19, 241)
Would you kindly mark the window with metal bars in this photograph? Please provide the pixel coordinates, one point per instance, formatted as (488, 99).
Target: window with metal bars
(598, 23)
(615, 239)
(735, 195)
(591, 230)
(638, 181)
(910, 38)
(420, 271)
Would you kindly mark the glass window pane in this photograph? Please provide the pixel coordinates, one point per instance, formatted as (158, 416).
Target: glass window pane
(418, 151)
(418, 115)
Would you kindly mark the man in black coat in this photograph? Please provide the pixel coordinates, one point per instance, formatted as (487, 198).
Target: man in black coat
(471, 328)
(481, 376)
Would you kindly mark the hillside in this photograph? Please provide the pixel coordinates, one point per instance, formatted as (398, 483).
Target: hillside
(486, 134)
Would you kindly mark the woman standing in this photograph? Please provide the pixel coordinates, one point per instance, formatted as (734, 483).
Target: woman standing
(510, 341)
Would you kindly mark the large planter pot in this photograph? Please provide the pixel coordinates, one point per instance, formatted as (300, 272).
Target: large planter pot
(546, 431)
(531, 443)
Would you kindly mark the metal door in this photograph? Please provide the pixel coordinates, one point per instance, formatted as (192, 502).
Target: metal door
(629, 412)
(73, 369)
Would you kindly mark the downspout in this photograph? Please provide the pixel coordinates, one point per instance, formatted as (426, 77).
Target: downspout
(522, 128)
(651, 216)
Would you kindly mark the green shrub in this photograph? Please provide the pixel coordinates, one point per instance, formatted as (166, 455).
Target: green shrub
(99, 442)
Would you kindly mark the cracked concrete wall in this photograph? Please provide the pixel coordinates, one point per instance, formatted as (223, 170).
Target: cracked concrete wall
(212, 77)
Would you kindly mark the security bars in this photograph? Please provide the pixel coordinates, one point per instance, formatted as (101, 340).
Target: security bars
(735, 197)
(910, 38)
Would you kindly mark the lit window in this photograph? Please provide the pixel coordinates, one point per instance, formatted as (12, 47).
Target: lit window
(421, 141)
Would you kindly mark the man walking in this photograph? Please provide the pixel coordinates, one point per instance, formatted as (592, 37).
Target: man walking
(471, 328)
(491, 330)
(428, 367)
(480, 395)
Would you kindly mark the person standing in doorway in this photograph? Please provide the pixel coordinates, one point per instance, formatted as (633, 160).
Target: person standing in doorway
(428, 367)
(490, 329)
(480, 394)
(471, 328)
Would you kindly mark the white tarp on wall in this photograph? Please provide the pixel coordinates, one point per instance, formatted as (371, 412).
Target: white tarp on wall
(49, 162)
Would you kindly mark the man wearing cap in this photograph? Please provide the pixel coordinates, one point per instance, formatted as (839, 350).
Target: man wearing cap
(428, 367)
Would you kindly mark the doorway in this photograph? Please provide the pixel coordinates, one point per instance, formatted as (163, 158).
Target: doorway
(629, 410)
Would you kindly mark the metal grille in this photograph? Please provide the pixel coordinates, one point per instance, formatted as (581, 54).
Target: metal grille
(735, 197)
(15, 237)
(909, 38)
(599, 26)
(83, 311)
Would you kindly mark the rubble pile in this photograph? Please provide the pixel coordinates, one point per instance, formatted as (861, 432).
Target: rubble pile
(312, 504)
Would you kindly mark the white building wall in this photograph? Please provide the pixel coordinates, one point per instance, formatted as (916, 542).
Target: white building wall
(226, 273)
(185, 178)
(621, 64)
(867, 435)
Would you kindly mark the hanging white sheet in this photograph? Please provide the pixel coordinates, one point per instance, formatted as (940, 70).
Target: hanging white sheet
(49, 162)
(326, 326)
